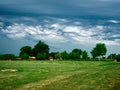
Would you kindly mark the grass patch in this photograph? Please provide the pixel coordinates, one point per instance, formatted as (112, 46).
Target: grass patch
(59, 75)
(110, 63)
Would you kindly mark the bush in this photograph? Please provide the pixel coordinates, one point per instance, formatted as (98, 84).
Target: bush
(7, 56)
(118, 57)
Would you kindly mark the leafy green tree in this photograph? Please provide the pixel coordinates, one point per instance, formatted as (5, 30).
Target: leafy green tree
(38, 57)
(58, 56)
(112, 56)
(41, 48)
(44, 56)
(25, 56)
(77, 52)
(85, 55)
(74, 55)
(26, 50)
(94, 53)
(118, 57)
(64, 55)
(99, 50)
(41, 56)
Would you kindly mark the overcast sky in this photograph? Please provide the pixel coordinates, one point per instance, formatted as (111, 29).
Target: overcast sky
(58, 7)
(63, 25)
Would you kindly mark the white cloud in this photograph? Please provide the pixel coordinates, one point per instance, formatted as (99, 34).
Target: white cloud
(113, 21)
(91, 40)
(33, 32)
(99, 27)
(15, 31)
(86, 36)
(61, 32)
(16, 35)
(63, 20)
(117, 35)
(73, 29)
(77, 23)
(28, 19)
(56, 26)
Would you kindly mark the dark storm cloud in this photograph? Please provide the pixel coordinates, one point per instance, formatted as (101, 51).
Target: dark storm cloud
(61, 29)
(62, 24)
(55, 7)
(60, 33)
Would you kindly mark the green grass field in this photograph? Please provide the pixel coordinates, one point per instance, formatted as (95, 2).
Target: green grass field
(59, 75)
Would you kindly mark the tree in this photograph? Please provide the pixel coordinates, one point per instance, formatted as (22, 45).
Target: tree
(64, 55)
(118, 57)
(25, 56)
(58, 56)
(41, 56)
(38, 57)
(25, 50)
(94, 53)
(74, 55)
(41, 48)
(77, 52)
(44, 56)
(7, 57)
(84, 55)
(99, 50)
(112, 56)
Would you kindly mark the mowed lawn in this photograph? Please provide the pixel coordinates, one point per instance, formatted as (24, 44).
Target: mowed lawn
(59, 75)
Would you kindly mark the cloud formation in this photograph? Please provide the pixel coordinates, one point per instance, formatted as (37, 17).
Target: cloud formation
(61, 24)
(55, 7)
(61, 30)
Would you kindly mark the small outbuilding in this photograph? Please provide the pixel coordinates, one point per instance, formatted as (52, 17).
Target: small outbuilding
(50, 58)
(32, 58)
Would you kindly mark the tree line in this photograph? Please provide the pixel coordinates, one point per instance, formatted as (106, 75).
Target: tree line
(41, 52)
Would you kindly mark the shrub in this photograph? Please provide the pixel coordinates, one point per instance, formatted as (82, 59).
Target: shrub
(7, 57)
(118, 57)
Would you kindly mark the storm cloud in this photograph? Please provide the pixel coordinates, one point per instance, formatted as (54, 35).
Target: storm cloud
(55, 7)
(63, 25)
